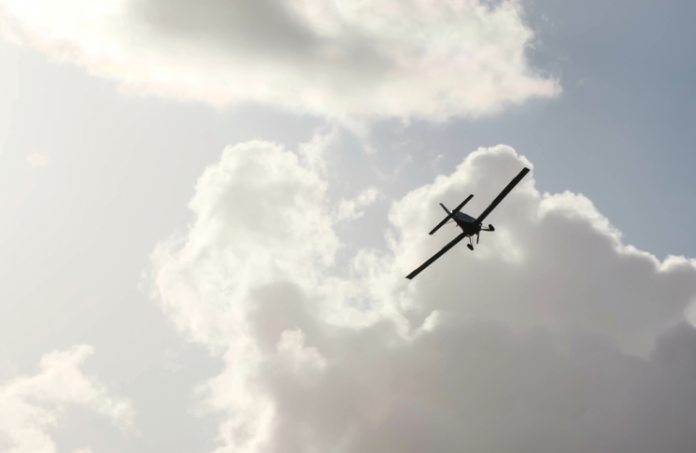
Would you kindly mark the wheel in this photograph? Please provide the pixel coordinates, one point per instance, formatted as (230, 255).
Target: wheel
(471, 247)
(490, 227)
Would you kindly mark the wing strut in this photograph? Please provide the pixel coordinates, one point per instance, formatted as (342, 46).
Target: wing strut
(502, 195)
(444, 249)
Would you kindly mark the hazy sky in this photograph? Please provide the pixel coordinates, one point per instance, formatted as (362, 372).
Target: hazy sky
(207, 210)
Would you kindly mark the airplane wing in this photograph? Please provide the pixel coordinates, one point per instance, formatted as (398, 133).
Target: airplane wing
(444, 249)
(502, 195)
(451, 214)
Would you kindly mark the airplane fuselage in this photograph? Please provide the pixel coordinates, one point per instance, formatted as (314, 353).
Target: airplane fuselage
(467, 223)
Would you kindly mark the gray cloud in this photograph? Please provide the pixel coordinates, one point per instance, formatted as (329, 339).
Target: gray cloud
(482, 388)
(552, 336)
(246, 26)
(342, 59)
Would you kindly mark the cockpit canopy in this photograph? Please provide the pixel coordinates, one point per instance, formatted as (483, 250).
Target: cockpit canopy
(464, 217)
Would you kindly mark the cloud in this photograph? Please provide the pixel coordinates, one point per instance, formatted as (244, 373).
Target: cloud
(552, 336)
(403, 58)
(563, 264)
(349, 209)
(31, 405)
(38, 159)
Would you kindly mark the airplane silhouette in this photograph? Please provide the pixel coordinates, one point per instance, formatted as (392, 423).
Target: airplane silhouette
(470, 226)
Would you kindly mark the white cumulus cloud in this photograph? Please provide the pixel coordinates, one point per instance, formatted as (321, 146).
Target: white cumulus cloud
(31, 405)
(374, 58)
(551, 336)
(350, 209)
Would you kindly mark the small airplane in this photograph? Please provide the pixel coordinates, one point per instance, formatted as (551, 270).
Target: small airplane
(470, 226)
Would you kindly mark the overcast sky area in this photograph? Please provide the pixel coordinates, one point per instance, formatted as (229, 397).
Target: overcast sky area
(207, 210)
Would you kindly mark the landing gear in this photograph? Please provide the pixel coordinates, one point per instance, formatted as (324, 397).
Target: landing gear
(490, 227)
(471, 247)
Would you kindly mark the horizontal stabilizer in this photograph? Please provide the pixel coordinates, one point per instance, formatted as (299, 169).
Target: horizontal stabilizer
(451, 214)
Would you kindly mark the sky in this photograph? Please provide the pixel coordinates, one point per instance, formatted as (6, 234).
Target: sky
(207, 210)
